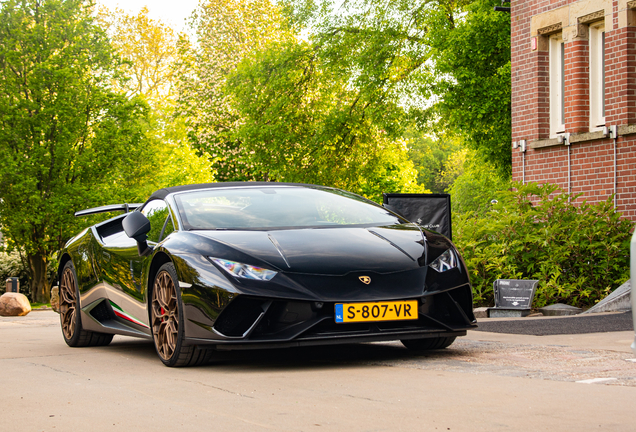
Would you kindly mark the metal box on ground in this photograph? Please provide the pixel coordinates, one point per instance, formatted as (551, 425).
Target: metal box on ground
(513, 297)
(13, 285)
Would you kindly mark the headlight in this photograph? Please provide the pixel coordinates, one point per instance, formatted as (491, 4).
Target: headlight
(444, 262)
(244, 271)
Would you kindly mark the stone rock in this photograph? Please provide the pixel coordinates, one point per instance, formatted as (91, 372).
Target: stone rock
(619, 300)
(14, 304)
(560, 309)
(481, 312)
(55, 299)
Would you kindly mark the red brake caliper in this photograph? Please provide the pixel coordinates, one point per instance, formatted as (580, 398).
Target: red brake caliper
(163, 312)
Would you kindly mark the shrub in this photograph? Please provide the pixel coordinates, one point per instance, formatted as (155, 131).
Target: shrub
(578, 251)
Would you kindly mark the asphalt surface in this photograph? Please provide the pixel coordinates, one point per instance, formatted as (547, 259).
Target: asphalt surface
(577, 324)
(483, 382)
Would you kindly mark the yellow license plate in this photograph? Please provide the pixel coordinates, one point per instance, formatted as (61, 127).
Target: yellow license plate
(376, 311)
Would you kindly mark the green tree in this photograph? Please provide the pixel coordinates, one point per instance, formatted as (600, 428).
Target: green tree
(431, 155)
(226, 31)
(302, 122)
(473, 182)
(148, 48)
(267, 107)
(65, 136)
(472, 82)
(167, 158)
(448, 62)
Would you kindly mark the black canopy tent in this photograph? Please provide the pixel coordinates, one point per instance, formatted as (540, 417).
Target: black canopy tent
(431, 211)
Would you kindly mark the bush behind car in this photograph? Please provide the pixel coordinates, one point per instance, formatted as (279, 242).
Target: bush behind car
(578, 251)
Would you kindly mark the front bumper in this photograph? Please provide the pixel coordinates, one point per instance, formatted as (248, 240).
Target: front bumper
(250, 322)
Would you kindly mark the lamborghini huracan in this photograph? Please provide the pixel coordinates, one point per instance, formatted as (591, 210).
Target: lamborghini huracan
(229, 266)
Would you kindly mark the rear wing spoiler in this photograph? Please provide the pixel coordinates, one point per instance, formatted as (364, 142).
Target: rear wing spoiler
(109, 208)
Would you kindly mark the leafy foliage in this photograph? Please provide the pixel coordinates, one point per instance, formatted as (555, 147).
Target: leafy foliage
(474, 182)
(167, 159)
(432, 159)
(578, 252)
(267, 106)
(448, 63)
(64, 135)
(302, 122)
(149, 50)
(226, 31)
(472, 81)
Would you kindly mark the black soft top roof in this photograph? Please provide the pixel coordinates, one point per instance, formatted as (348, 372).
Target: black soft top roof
(162, 193)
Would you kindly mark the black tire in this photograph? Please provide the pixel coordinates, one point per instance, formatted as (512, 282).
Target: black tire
(428, 343)
(166, 321)
(70, 317)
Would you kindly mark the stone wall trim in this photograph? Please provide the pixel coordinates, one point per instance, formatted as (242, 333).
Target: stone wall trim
(539, 144)
(554, 28)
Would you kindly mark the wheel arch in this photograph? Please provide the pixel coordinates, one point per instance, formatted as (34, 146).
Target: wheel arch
(158, 260)
(66, 257)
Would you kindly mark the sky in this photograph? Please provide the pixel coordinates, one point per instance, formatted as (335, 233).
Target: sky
(170, 12)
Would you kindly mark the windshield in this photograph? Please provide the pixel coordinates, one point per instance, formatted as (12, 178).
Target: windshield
(277, 207)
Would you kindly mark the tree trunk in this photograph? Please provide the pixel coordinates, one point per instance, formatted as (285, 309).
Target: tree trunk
(40, 289)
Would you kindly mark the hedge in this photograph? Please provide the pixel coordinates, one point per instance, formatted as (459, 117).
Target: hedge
(578, 251)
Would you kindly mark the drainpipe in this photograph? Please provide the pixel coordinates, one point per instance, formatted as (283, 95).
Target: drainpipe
(566, 141)
(522, 149)
(613, 133)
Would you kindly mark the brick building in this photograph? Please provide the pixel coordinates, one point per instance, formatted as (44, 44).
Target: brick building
(574, 97)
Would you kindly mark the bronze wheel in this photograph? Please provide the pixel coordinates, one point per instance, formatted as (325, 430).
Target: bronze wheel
(167, 318)
(68, 303)
(70, 319)
(165, 315)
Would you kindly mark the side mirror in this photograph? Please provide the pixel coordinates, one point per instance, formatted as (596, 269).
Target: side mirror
(137, 226)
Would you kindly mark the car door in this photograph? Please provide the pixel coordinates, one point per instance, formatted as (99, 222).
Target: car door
(125, 269)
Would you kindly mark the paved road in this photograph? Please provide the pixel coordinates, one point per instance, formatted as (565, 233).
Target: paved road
(486, 381)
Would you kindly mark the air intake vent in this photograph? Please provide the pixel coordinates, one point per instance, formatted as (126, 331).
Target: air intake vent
(102, 312)
(239, 316)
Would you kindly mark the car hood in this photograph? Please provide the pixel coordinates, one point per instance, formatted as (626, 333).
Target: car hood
(330, 251)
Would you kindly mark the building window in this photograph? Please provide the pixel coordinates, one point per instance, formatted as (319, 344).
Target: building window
(557, 85)
(597, 75)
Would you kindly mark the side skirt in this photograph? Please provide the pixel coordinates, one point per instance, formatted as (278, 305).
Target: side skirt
(104, 316)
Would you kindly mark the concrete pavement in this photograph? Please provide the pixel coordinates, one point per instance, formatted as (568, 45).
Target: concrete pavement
(555, 325)
(486, 381)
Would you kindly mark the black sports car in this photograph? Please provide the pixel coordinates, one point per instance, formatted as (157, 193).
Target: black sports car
(260, 265)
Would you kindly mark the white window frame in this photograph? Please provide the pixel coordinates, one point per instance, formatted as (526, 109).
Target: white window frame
(557, 87)
(597, 76)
